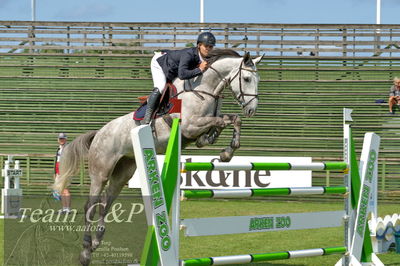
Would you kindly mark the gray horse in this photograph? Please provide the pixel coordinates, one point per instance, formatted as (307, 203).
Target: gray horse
(109, 150)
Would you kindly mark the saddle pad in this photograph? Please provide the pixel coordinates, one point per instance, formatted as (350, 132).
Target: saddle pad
(174, 106)
(138, 115)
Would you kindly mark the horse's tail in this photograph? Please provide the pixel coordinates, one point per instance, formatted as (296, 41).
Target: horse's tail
(71, 157)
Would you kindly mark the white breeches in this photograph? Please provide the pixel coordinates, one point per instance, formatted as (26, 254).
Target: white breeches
(159, 79)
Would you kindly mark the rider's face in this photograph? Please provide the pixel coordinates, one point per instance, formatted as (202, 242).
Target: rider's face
(205, 49)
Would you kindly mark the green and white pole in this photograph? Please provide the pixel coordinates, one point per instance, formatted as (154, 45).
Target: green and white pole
(171, 169)
(262, 192)
(249, 258)
(220, 166)
(349, 176)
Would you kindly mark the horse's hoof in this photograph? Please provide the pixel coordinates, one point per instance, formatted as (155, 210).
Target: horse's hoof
(95, 244)
(213, 138)
(87, 242)
(226, 154)
(85, 257)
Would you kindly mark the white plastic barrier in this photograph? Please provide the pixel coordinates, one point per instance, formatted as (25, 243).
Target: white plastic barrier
(382, 232)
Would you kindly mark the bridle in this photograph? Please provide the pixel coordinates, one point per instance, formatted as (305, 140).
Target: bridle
(227, 82)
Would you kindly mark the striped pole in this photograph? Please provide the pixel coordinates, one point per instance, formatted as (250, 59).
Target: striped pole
(247, 193)
(218, 166)
(264, 256)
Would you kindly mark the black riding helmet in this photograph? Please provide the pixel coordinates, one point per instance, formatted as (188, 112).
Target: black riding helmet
(206, 38)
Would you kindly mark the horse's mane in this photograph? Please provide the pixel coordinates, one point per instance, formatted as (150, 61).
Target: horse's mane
(216, 54)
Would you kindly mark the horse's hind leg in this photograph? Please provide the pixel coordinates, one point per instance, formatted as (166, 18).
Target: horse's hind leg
(123, 171)
(96, 187)
(101, 227)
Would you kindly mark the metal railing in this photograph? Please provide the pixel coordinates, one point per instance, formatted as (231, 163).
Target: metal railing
(130, 38)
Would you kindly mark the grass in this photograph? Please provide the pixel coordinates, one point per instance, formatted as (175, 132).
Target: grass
(197, 247)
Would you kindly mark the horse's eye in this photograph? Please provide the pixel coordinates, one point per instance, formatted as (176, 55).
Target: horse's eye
(246, 79)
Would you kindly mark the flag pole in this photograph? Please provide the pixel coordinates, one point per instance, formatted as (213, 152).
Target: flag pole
(201, 11)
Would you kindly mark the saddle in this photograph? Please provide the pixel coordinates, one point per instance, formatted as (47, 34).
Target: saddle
(168, 104)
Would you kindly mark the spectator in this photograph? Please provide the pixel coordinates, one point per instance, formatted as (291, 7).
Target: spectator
(394, 95)
(65, 195)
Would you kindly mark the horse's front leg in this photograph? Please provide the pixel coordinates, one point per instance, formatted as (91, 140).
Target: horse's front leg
(212, 128)
(227, 153)
(212, 135)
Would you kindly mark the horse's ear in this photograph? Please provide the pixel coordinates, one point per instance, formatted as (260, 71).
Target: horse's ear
(258, 59)
(247, 59)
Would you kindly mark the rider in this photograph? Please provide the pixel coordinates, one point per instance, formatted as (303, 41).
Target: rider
(184, 64)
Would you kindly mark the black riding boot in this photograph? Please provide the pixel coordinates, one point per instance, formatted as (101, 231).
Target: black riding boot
(151, 105)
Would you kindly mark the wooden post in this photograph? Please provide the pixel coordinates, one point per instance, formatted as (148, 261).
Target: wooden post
(328, 178)
(68, 39)
(383, 176)
(344, 44)
(28, 170)
(226, 37)
(31, 35)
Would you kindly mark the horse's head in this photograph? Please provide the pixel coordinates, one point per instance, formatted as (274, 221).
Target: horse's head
(244, 84)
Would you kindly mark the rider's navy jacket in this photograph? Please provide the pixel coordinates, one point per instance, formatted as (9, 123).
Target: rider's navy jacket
(180, 63)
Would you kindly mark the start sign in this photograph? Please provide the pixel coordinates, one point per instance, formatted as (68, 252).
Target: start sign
(14, 172)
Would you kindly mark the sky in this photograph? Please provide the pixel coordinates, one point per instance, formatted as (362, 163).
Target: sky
(224, 11)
